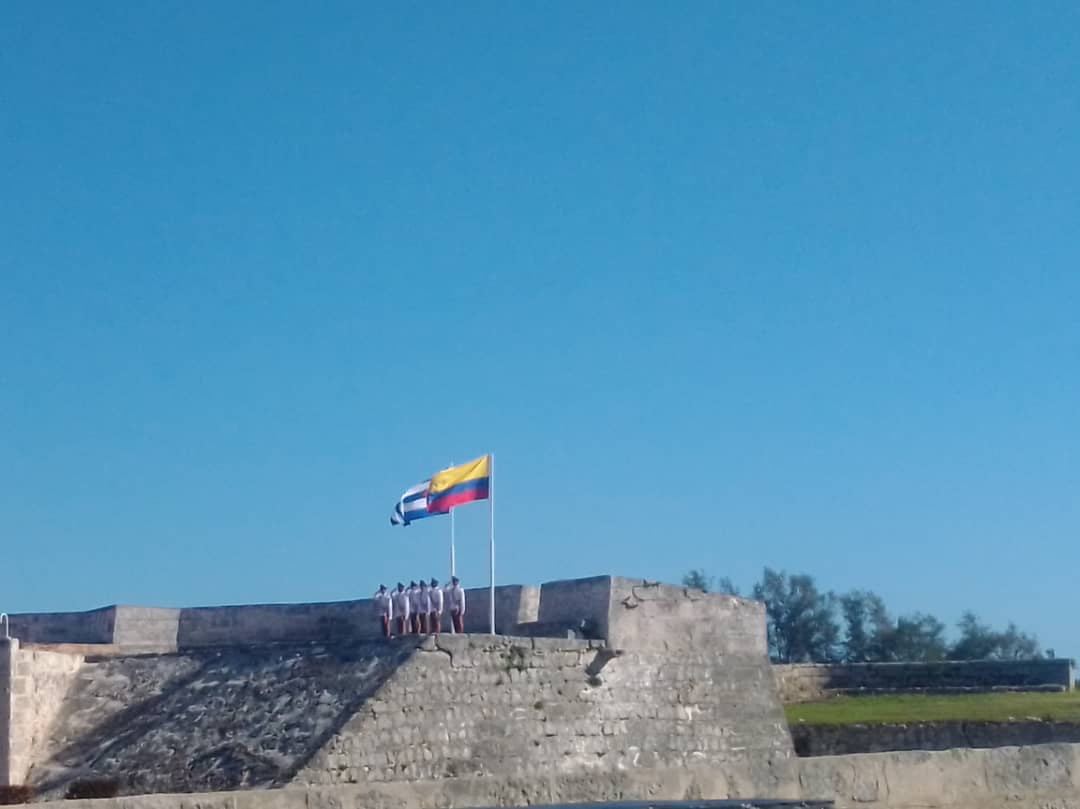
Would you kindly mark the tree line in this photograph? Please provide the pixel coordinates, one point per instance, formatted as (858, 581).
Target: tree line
(808, 625)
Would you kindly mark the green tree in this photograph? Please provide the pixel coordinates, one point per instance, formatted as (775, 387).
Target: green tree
(866, 623)
(978, 641)
(696, 579)
(699, 580)
(802, 623)
(918, 636)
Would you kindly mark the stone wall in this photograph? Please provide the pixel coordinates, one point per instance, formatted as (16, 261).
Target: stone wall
(814, 681)
(94, 626)
(514, 605)
(34, 685)
(498, 706)
(832, 740)
(662, 617)
(232, 718)
(629, 613)
(1040, 777)
(571, 602)
(208, 719)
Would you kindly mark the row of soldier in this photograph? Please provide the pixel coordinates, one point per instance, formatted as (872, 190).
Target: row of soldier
(418, 609)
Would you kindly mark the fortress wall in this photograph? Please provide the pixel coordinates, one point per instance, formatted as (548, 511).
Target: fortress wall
(208, 719)
(663, 617)
(35, 683)
(568, 603)
(276, 623)
(813, 681)
(474, 705)
(514, 605)
(95, 626)
(148, 627)
(1040, 777)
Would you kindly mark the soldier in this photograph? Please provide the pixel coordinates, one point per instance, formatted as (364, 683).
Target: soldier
(385, 609)
(423, 606)
(414, 607)
(401, 609)
(435, 615)
(455, 598)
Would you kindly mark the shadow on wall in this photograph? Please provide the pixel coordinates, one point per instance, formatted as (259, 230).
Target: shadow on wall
(201, 722)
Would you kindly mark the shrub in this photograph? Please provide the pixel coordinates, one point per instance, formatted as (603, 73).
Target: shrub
(16, 794)
(94, 788)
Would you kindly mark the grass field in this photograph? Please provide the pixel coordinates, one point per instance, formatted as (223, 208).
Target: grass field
(959, 708)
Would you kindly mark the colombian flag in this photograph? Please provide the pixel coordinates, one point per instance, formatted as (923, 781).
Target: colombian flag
(460, 484)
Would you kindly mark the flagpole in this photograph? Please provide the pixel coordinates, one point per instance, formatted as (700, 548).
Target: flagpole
(491, 540)
(453, 571)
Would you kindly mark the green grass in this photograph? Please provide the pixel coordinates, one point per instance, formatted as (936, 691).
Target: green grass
(917, 708)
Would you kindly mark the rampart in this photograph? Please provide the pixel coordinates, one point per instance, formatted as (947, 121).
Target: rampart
(597, 674)
(601, 689)
(625, 612)
(1042, 777)
(815, 681)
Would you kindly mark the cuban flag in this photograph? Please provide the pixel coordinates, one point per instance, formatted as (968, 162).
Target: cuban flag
(413, 506)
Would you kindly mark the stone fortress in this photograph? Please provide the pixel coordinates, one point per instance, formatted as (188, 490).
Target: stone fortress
(593, 689)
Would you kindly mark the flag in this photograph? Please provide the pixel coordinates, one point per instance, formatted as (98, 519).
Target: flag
(413, 505)
(460, 484)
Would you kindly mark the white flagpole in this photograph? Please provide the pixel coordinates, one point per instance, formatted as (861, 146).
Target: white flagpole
(491, 540)
(453, 571)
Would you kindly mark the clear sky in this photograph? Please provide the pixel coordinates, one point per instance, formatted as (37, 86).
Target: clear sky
(722, 285)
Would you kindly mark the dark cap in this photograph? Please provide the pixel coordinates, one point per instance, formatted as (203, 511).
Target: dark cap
(453, 579)
(382, 588)
(434, 582)
(412, 584)
(400, 586)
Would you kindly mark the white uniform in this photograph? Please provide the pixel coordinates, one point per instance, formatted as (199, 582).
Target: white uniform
(401, 604)
(455, 595)
(384, 604)
(423, 600)
(415, 602)
(436, 596)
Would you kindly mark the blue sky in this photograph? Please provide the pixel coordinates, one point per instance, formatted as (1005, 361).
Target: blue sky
(721, 285)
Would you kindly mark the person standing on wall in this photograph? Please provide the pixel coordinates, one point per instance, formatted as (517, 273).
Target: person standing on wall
(435, 615)
(455, 597)
(424, 605)
(384, 607)
(414, 608)
(401, 610)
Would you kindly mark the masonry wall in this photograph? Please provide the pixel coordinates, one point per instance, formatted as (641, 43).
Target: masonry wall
(1040, 777)
(471, 705)
(94, 626)
(805, 682)
(514, 605)
(235, 718)
(569, 603)
(661, 617)
(34, 685)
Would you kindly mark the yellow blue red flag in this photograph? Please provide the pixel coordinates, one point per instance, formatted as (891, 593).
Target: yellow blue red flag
(460, 484)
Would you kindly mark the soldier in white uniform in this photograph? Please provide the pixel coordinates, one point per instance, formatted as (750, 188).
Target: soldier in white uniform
(435, 614)
(401, 609)
(384, 608)
(414, 607)
(455, 601)
(423, 605)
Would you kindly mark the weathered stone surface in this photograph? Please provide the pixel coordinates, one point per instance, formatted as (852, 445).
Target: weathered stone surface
(1039, 777)
(214, 720)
